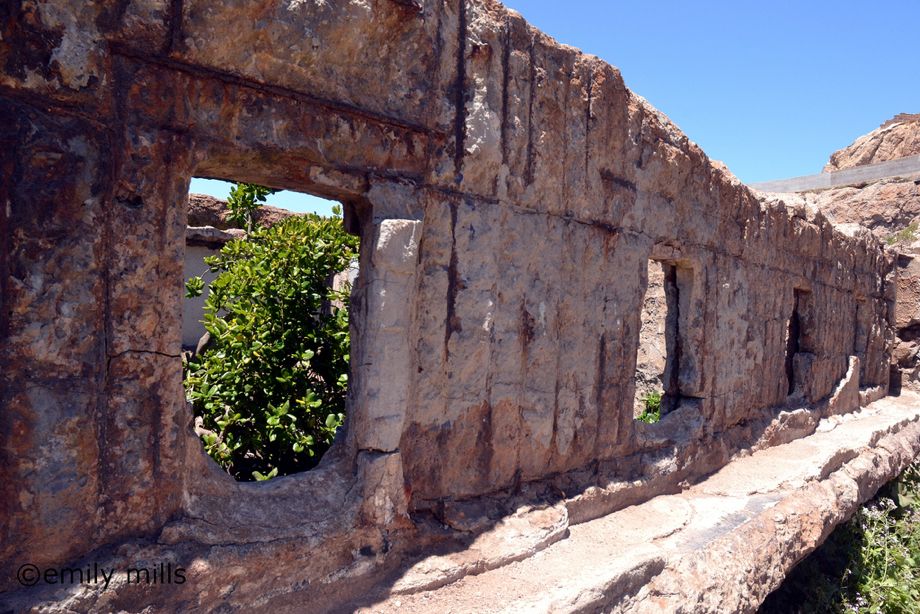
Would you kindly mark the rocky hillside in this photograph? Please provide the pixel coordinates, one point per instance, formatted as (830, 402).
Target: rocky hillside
(899, 137)
(206, 210)
(885, 207)
(890, 208)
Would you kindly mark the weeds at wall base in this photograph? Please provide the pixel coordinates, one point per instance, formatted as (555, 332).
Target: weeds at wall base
(869, 564)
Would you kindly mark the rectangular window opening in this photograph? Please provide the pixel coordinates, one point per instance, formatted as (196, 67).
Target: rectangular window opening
(861, 331)
(660, 351)
(798, 342)
(266, 357)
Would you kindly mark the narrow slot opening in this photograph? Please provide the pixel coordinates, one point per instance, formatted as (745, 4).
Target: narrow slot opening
(861, 328)
(660, 351)
(798, 345)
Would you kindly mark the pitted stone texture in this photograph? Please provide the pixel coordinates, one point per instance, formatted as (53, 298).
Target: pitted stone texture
(337, 44)
(55, 48)
(385, 362)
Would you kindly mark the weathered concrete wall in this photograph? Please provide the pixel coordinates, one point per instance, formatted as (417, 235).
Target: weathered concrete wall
(905, 167)
(193, 308)
(509, 192)
(200, 243)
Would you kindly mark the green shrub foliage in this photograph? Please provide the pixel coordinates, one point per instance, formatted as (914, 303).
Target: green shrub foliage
(870, 564)
(271, 385)
(905, 235)
(652, 412)
(244, 200)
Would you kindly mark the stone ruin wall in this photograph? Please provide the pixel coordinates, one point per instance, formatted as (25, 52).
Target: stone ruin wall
(509, 192)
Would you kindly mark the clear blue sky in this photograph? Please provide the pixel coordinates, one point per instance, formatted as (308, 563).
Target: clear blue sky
(770, 88)
(292, 201)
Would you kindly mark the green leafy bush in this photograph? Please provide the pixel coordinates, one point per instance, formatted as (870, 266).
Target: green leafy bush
(270, 388)
(870, 564)
(243, 201)
(652, 412)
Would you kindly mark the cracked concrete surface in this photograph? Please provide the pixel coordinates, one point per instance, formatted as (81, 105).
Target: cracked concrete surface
(719, 546)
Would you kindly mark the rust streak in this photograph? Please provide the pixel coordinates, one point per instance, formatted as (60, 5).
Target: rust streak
(460, 94)
(601, 370)
(506, 82)
(588, 121)
(529, 171)
(452, 325)
(176, 8)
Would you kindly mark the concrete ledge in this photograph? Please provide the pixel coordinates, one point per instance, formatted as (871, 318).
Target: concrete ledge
(720, 546)
(210, 237)
(823, 181)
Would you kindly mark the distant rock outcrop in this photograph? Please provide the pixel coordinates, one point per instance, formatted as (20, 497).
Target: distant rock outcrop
(204, 210)
(899, 137)
(886, 206)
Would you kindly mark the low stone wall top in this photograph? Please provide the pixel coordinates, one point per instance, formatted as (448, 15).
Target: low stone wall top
(210, 237)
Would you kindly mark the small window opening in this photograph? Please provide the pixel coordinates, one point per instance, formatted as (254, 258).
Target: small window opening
(266, 325)
(660, 352)
(797, 341)
(861, 328)
(895, 380)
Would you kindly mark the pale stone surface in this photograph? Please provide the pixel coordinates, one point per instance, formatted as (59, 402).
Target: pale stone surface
(515, 537)
(719, 546)
(384, 369)
(845, 397)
